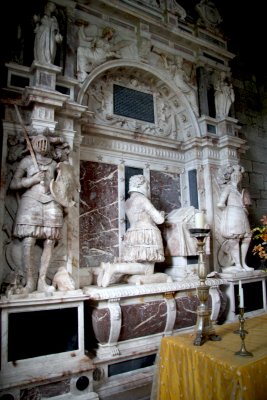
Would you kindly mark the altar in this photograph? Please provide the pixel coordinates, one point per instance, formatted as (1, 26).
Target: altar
(213, 371)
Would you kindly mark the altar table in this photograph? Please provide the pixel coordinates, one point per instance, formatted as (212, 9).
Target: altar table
(213, 371)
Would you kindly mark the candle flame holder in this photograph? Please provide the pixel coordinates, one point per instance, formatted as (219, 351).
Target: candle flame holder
(204, 328)
(242, 333)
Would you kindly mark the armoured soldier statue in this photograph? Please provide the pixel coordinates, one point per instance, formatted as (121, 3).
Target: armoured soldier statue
(40, 212)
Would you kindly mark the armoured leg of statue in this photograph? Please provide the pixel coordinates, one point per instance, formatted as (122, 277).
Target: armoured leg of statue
(244, 249)
(100, 274)
(45, 261)
(234, 248)
(108, 273)
(124, 269)
(28, 248)
(157, 277)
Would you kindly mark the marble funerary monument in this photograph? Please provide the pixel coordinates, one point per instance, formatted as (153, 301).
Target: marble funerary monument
(118, 136)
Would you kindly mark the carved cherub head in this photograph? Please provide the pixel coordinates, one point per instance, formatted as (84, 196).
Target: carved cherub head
(108, 33)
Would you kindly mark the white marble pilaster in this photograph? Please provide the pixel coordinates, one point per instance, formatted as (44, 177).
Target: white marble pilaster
(171, 313)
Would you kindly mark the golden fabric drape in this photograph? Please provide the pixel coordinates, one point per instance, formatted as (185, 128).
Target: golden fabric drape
(213, 371)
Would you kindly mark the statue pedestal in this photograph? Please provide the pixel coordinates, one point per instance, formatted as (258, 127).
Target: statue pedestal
(45, 75)
(42, 339)
(44, 96)
(254, 286)
(71, 336)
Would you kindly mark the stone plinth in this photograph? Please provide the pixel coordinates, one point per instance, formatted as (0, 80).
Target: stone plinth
(254, 286)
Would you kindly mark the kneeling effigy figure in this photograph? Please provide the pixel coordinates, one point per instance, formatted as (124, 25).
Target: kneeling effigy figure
(142, 245)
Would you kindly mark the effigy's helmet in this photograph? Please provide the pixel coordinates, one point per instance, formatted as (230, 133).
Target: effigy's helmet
(41, 144)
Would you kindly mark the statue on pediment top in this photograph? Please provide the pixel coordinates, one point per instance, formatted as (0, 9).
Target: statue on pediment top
(47, 36)
(209, 14)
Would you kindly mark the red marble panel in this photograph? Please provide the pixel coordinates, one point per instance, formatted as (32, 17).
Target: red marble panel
(165, 190)
(98, 213)
(101, 324)
(143, 319)
(186, 311)
(165, 196)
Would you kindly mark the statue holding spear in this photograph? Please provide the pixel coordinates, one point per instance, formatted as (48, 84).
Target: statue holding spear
(40, 212)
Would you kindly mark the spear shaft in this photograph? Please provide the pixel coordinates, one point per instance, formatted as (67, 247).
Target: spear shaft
(25, 133)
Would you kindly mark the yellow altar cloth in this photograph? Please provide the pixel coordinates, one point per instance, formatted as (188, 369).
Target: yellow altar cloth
(213, 371)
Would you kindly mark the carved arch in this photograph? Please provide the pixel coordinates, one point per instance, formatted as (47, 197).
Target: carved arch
(162, 82)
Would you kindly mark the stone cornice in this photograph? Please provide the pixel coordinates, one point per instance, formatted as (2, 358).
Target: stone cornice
(115, 146)
(39, 298)
(175, 34)
(121, 291)
(72, 109)
(130, 136)
(114, 142)
(43, 96)
(232, 141)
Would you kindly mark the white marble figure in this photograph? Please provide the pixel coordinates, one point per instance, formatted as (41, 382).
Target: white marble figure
(175, 8)
(223, 96)
(39, 216)
(179, 240)
(182, 80)
(166, 126)
(47, 36)
(142, 245)
(234, 226)
(93, 51)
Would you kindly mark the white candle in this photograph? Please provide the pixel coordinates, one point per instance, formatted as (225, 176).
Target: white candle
(200, 220)
(241, 299)
(241, 295)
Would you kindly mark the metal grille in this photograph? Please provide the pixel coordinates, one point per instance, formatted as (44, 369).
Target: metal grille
(133, 104)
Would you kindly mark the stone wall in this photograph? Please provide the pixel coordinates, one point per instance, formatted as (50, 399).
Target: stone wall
(251, 112)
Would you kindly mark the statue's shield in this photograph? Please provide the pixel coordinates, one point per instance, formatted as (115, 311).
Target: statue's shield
(65, 186)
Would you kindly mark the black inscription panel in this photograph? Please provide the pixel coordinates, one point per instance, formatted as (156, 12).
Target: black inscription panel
(133, 104)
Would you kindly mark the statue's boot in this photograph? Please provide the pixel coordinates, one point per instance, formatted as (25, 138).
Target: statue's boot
(158, 277)
(28, 249)
(125, 268)
(234, 249)
(244, 250)
(108, 273)
(42, 286)
(100, 274)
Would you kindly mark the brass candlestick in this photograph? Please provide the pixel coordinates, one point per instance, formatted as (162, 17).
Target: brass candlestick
(242, 333)
(204, 328)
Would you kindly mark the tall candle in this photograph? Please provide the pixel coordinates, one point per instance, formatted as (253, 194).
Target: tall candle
(241, 295)
(200, 220)
(241, 298)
